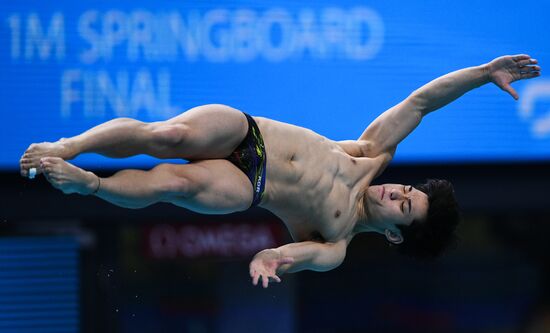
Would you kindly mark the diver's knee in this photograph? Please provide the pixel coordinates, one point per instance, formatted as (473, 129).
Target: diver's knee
(174, 183)
(168, 135)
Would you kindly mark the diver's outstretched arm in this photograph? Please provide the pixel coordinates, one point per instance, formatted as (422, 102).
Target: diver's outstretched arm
(384, 134)
(269, 264)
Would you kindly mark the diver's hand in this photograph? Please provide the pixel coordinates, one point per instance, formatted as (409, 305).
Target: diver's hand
(264, 265)
(507, 69)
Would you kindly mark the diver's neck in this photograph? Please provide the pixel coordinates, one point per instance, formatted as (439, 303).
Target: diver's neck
(367, 221)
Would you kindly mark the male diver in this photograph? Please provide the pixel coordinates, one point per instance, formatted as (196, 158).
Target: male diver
(321, 189)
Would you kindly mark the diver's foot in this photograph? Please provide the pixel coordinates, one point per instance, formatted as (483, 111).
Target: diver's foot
(67, 177)
(36, 151)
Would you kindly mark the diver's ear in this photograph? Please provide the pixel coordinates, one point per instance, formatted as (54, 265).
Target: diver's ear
(393, 237)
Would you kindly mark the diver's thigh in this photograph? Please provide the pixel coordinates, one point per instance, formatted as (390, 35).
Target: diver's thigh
(216, 187)
(212, 131)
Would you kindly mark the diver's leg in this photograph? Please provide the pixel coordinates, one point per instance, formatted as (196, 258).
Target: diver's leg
(204, 132)
(210, 187)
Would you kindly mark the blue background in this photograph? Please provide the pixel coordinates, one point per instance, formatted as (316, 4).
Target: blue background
(335, 95)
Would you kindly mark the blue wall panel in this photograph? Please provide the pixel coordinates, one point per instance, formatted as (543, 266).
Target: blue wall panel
(330, 66)
(39, 286)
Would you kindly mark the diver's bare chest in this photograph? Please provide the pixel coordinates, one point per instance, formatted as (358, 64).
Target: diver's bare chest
(312, 184)
(317, 217)
(326, 229)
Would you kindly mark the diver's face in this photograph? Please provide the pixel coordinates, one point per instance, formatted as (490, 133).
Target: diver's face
(397, 204)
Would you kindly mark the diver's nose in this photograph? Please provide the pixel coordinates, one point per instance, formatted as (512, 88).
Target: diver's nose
(396, 195)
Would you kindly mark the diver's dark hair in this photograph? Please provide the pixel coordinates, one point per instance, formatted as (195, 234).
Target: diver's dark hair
(430, 238)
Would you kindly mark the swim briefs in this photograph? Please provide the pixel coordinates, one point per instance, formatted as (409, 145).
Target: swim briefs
(251, 159)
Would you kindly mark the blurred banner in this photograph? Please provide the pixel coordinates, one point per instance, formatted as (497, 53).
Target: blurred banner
(199, 240)
(329, 66)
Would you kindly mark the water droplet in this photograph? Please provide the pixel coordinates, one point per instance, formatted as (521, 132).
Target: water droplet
(116, 310)
(136, 296)
(135, 270)
(133, 314)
